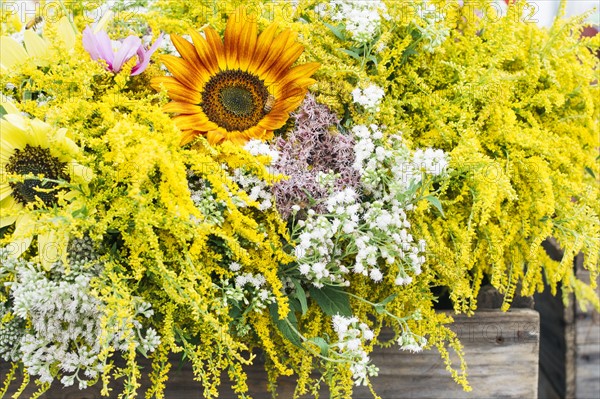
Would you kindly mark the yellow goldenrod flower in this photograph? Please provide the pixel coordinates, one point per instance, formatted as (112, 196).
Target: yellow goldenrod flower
(236, 90)
(37, 49)
(44, 157)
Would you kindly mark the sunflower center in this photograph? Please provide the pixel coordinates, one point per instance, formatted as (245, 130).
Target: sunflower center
(234, 99)
(237, 100)
(36, 161)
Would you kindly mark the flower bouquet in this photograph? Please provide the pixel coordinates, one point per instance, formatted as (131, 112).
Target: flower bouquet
(209, 180)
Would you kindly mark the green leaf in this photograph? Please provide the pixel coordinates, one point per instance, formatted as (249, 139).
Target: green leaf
(338, 31)
(590, 171)
(380, 307)
(283, 325)
(331, 300)
(301, 296)
(322, 344)
(435, 202)
(350, 53)
(2, 111)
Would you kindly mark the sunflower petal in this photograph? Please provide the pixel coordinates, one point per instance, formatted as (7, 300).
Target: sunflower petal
(262, 46)
(277, 47)
(12, 52)
(233, 31)
(209, 56)
(194, 122)
(52, 248)
(5, 191)
(288, 57)
(215, 136)
(176, 90)
(183, 108)
(184, 72)
(22, 236)
(66, 33)
(216, 46)
(273, 121)
(186, 49)
(36, 46)
(247, 44)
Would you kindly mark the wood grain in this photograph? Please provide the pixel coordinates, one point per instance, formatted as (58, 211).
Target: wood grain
(587, 363)
(501, 350)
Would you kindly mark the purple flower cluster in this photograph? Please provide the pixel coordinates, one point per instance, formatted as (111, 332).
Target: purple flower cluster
(313, 146)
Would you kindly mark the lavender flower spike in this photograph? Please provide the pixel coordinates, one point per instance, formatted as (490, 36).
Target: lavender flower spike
(117, 52)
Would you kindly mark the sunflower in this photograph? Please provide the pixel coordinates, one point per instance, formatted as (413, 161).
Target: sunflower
(37, 49)
(30, 147)
(236, 90)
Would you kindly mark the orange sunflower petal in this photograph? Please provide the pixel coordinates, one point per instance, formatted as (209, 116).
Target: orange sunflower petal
(216, 45)
(187, 50)
(262, 46)
(209, 55)
(274, 52)
(183, 108)
(215, 136)
(233, 31)
(247, 44)
(288, 57)
(189, 136)
(194, 122)
(184, 72)
(176, 90)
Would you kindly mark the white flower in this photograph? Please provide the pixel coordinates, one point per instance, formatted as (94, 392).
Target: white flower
(362, 18)
(304, 269)
(376, 275)
(433, 162)
(369, 97)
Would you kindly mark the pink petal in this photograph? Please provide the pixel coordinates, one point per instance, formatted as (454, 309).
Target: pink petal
(98, 46)
(144, 56)
(127, 50)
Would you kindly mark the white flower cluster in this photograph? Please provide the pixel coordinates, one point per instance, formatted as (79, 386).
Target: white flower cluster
(411, 342)
(257, 147)
(387, 169)
(205, 200)
(318, 253)
(375, 234)
(60, 320)
(248, 292)
(256, 188)
(430, 161)
(351, 335)
(369, 97)
(361, 18)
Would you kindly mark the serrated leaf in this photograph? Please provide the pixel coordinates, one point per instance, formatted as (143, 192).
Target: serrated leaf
(436, 203)
(301, 296)
(338, 31)
(322, 344)
(283, 325)
(350, 53)
(331, 300)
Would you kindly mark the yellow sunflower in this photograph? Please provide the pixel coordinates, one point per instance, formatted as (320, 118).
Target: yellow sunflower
(37, 49)
(30, 147)
(236, 90)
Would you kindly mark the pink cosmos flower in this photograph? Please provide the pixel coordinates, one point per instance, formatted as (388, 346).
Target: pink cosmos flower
(117, 52)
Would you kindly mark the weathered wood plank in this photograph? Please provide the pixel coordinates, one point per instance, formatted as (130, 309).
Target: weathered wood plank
(501, 350)
(588, 349)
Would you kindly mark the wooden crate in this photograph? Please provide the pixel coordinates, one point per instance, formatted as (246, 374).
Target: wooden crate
(501, 350)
